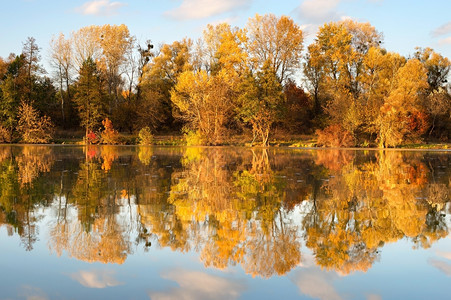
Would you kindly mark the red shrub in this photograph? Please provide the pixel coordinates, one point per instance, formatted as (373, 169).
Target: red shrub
(334, 136)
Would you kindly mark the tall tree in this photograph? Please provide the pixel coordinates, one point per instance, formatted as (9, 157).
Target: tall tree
(402, 114)
(159, 77)
(260, 102)
(204, 103)
(115, 42)
(85, 43)
(31, 57)
(61, 58)
(437, 66)
(278, 40)
(89, 96)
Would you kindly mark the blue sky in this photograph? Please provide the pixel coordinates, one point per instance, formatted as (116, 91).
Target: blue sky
(405, 24)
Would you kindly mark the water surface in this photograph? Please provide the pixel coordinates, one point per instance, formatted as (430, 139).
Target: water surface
(223, 223)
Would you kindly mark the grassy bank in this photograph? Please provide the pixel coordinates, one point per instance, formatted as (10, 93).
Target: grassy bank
(277, 140)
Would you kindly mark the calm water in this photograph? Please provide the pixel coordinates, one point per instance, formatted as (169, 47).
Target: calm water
(223, 223)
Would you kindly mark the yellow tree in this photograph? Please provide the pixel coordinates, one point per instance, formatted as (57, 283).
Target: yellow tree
(437, 66)
(278, 40)
(85, 43)
(401, 115)
(225, 48)
(334, 69)
(115, 42)
(205, 99)
(377, 81)
(204, 103)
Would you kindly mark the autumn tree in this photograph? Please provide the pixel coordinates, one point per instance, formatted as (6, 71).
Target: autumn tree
(61, 58)
(204, 104)
(225, 49)
(115, 42)
(377, 81)
(401, 114)
(85, 44)
(438, 101)
(278, 40)
(206, 99)
(33, 128)
(160, 75)
(334, 67)
(437, 66)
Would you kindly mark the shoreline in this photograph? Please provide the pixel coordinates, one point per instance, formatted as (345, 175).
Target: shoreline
(447, 147)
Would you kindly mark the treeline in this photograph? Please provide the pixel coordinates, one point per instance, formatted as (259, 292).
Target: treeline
(344, 86)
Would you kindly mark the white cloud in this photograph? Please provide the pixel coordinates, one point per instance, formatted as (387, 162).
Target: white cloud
(199, 9)
(100, 8)
(441, 265)
(97, 279)
(230, 20)
(197, 285)
(318, 11)
(374, 297)
(443, 254)
(445, 41)
(317, 284)
(442, 30)
(32, 293)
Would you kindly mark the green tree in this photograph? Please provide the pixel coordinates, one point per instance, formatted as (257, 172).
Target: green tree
(31, 58)
(260, 102)
(160, 75)
(89, 96)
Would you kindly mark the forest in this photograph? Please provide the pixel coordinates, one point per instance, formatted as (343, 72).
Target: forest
(344, 89)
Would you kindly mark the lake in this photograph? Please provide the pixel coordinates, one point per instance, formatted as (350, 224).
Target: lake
(109, 222)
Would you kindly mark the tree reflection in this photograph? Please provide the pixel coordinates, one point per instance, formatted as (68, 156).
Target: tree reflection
(371, 201)
(249, 207)
(20, 191)
(97, 234)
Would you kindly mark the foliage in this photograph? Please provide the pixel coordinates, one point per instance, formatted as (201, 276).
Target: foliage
(261, 102)
(403, 106)
(335, 136)
(92, 138)
(89, 96)
(145, 136)
(204, 103)
(298, 108)
(232, 80)
(33, 128)
(109, 136)
(277, 40)
(5, 135)
(194, 138)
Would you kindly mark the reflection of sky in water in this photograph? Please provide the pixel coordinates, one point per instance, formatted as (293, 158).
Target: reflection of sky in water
(163, 274)
(48, 272)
